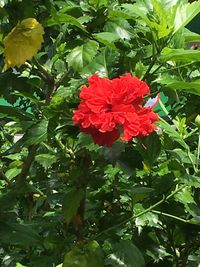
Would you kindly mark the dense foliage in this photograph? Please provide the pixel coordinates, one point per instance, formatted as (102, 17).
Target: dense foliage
(64, 198)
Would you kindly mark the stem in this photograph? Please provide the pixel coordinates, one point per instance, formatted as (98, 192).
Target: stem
(198, 153)
(60, 81)
(83, 182)
(48, 78)
(170, 216)
(163, 107)
(27, 163)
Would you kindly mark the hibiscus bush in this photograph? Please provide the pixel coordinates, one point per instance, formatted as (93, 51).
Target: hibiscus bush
(100, 133)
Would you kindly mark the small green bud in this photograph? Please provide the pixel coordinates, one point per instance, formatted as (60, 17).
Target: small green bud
(197, 121)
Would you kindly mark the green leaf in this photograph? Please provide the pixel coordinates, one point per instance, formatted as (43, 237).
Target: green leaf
(71, 202)
(46, 160)
(14, 113)
(150, 148)
(185, 196)
(173, 134)
(190, 36)
(82, 55)
(181, 155)
(19, 234)
(37, 133)
(187, 87)
(103, 63)
(89, 255)
(19, 265)
(120, 27)
(60, 18)
(107, 38)
(180, 55)
(192, 181)
(184, 14)
(149, 218)
(126, 254)
(11, 173)
(98, 3)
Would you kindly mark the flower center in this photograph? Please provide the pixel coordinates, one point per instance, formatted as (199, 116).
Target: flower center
(109, 107)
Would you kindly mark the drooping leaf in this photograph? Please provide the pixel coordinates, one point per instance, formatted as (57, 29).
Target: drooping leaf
(187, 87)
(60, 18)
(71, 202)
(12, 172)
(150, 147)
(180, 55)
(14, 113)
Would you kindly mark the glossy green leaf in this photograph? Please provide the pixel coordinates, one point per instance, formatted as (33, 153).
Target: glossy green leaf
(37, 133)
(107, 38)
(187, 87)
(185, 13)
(120, 27)
(82, 55)
(126, 254)
(180, 55)
(60, 18)
(103, 63)
(13, 172)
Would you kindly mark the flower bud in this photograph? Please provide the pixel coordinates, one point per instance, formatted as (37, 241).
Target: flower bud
(197, 121)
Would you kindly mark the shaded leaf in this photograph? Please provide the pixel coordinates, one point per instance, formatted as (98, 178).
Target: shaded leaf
(88, 255)
(71, 202)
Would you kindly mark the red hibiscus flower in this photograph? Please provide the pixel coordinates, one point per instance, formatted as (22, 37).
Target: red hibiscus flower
(112, 109)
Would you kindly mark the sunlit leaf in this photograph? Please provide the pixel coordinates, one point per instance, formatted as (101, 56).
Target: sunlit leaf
(23, 42)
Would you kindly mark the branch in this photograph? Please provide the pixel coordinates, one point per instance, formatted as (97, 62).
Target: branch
(48, 78)
(27, 163)
(60, 81)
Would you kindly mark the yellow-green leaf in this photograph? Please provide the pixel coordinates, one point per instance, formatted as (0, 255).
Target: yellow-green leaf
(22, 43)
